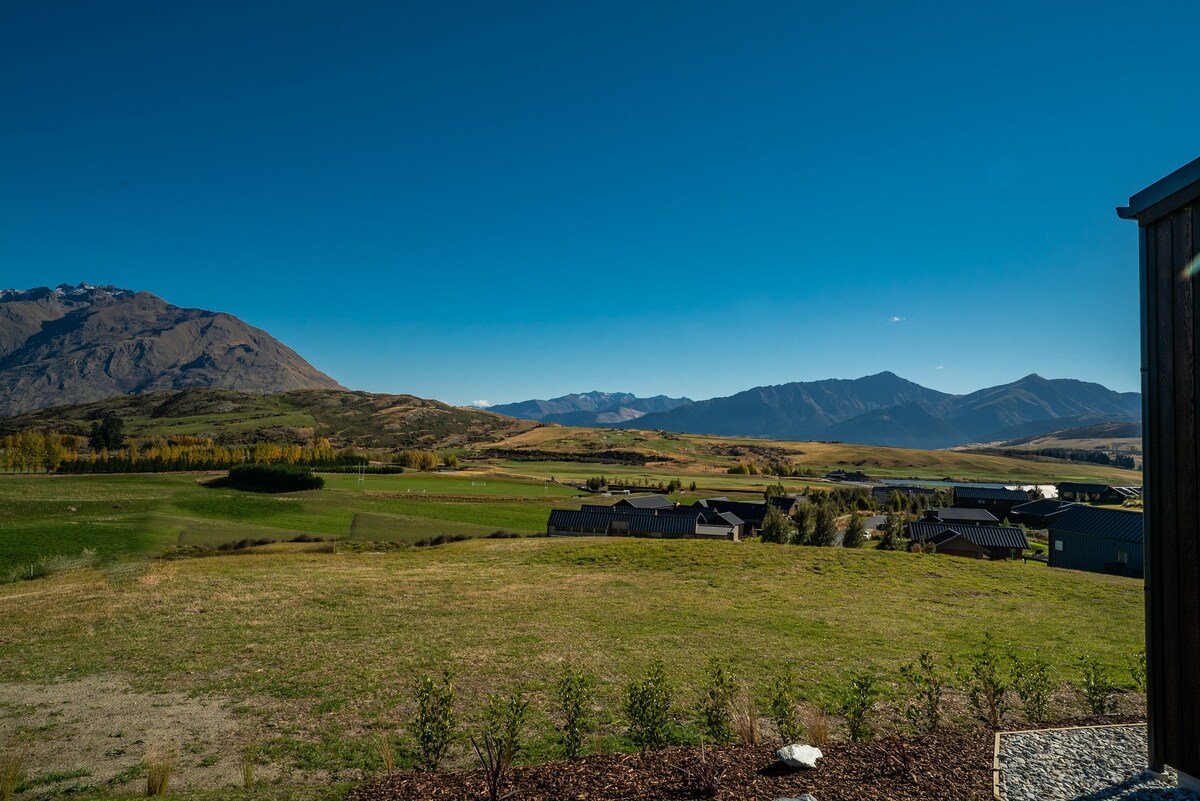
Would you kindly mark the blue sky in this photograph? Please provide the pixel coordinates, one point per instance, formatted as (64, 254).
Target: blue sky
(522, 199)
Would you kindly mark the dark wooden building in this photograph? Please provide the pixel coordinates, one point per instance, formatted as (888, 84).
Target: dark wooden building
(1168, 218)
(997, 500)
(1097, 540)
(969, 540)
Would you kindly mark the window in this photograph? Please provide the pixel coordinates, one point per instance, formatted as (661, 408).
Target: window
(1058, 545)
(1122, 557)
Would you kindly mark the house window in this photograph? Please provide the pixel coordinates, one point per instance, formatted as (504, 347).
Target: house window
(1058, 545)
(1123, 557)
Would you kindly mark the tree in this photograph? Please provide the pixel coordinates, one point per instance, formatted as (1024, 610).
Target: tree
(893, 534)
(856, 532)
(776, 527)
(804, 522)
(824, 532)
(774, 491)
(450, 460)
(1035, 493)
(895, 501)
(107, 433)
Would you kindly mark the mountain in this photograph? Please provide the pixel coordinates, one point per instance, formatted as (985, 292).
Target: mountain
(589, 408)
(75, 344)
(885, 409)
(362, 419)
(801, 410)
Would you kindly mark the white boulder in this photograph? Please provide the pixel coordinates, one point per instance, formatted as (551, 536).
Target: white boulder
(799, 756)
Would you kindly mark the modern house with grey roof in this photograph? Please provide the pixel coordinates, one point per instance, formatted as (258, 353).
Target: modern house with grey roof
(647, 502)
(1096, 493)
(1097, 540)
(970, 540)
(615, 521)
(951, 514)
(1038, 514)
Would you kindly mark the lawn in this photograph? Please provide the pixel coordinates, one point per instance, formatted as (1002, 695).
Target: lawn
(315, 650)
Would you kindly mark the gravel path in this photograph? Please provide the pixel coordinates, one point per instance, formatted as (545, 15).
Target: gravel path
(1097, 764)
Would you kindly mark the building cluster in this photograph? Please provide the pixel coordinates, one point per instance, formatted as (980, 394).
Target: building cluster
(658, 516)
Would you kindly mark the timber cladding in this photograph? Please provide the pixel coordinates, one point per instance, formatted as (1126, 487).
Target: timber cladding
(1168, 214)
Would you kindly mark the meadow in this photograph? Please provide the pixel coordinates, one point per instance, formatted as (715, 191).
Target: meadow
(306, 654)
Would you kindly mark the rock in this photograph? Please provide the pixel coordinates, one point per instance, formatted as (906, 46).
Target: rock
(799, 756)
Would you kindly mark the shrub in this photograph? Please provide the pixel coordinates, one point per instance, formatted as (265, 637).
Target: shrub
(1032, 683)
(854, 702)
(434, 723)
(986, 681)
(574, 690)
(923, 709)
(856, 533)
(1096, 686)
(783, 703)
(1137, 669)
(776, 527)
(648, 708)
(499, 740)
(276, 477)
(716, 702)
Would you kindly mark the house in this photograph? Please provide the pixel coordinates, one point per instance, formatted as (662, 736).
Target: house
(646, 502)
(881, 494)
(997, 500)
(1105, 494)
(615, 521)
(751, 513)
(1097, 540)
(842, 475)
(950, 514)
(1037, 514)
(969, 540)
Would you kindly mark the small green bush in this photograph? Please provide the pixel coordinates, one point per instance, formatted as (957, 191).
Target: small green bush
(782, 703)
(1032, 682)
(854, 702)
(717, 698)
(1137, 669)
(923, 709)
(575, 692)
(434, 724)
(985, 678)
(1096, 686)
(648, 708)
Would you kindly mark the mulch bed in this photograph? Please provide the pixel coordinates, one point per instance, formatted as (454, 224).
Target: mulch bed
(949, 765)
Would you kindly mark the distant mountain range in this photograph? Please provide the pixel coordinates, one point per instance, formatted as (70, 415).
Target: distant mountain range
(77, 344)
(883, 409)
(589, 408)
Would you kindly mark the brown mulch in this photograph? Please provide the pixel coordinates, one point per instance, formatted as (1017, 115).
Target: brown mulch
(949, 765)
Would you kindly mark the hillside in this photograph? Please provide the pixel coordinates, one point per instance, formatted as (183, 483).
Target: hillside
(885, 409)
(589, 408)
(348, 418)
(86, 343)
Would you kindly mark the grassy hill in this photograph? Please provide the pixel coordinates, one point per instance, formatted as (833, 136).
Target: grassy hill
(309, 654)
(363, 419)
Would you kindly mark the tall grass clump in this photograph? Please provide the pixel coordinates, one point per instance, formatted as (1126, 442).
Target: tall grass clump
(433, 724)
(249, 761)
(12, 769)
(160, 763)
(1032, 682)
(575, 691)
(383, 747)
(783, 705)
(984, 676)
(1096, 686)
(923, 708)
(717, 697)
(648, 708)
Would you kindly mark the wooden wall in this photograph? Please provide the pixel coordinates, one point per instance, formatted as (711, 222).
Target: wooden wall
(1172, 552)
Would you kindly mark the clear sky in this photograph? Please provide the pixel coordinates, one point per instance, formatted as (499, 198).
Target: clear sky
(505, 200)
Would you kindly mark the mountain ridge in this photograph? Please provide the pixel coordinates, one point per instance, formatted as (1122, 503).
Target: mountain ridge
(84, 343)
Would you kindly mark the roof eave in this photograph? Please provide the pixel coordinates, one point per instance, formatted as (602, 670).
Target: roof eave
(1163, 196)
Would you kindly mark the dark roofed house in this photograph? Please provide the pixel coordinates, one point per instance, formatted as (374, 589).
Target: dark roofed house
(616, 521)
(997, 500)
(751, 513)
(1097, 540)
(971, 541)
(1097, 493)
(785, 503)
(952, 514)
(647, 502)
(1038, 514)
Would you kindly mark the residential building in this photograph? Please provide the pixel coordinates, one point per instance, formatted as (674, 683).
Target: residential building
(1097, 540)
